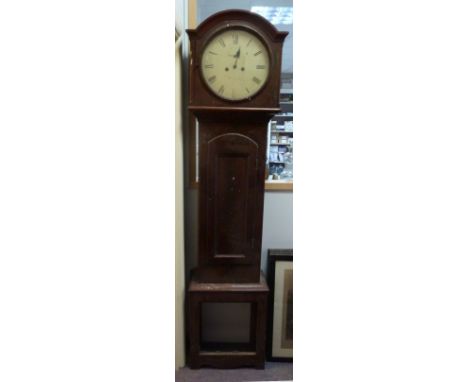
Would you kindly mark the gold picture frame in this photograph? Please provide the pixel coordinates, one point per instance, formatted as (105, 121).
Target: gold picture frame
(280, 320)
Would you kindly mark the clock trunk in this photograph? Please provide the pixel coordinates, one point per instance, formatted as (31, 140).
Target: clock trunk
(231, 193)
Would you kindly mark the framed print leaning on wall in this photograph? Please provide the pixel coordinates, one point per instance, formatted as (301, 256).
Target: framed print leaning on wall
(280, 318)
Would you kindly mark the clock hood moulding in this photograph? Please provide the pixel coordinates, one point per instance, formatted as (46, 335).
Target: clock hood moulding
(266, 99)
(233, 15)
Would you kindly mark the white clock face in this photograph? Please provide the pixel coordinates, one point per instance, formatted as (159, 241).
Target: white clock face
(235, 64)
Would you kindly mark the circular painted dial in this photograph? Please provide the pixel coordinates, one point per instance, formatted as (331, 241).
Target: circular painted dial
(235, 64)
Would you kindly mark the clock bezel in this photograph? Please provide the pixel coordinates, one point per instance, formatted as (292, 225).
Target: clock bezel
(231, 26)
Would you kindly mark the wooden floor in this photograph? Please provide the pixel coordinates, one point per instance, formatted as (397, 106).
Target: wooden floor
(274, 371)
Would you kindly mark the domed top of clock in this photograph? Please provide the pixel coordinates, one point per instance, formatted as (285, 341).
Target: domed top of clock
(235, 63)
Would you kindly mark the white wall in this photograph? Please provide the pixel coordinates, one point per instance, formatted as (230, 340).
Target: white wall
(179, 202)
(277, 222)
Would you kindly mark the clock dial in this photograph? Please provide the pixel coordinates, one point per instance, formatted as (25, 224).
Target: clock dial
(235, 64)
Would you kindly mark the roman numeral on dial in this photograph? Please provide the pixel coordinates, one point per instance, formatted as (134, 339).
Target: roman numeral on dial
(221, 42)
(221, 89)
(261, 66)
(209, 66)
(235, 38)
(257, 53)
(212, 79)
(256, 80)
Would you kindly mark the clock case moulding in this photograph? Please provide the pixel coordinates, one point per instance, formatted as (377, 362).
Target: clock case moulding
(232, 146)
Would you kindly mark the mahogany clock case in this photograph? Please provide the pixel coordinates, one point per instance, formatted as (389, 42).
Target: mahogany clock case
(232, 156)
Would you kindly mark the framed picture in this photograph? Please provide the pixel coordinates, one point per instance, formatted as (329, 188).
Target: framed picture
(280, 307)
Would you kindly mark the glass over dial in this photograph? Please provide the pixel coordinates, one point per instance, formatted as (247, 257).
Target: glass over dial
(235, 64)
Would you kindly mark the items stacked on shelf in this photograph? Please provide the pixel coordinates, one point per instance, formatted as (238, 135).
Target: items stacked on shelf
(280, 139)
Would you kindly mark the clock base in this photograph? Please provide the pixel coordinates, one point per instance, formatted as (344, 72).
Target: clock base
(227, 355)
(228, 274)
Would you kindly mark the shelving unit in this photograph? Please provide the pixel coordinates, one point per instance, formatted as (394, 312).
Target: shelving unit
(280, 138)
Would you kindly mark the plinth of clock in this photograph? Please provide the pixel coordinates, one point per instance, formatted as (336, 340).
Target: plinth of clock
(228, 355)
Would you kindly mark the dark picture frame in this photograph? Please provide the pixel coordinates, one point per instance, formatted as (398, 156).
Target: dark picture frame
(280, 320)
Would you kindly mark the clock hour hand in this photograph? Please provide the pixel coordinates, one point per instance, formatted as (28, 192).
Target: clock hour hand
(236, 56)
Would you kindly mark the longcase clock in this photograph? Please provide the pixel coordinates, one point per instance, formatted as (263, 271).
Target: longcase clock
(235, 68)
